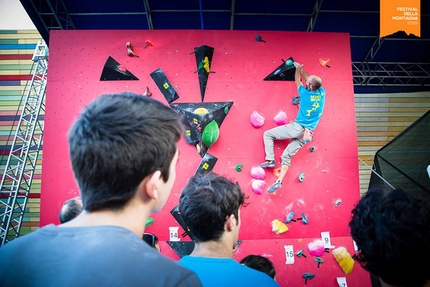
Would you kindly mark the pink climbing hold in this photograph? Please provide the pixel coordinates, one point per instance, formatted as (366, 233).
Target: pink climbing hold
(281, 118)
(316, 247)
(257, 120)
(258, 186)
(258, 172)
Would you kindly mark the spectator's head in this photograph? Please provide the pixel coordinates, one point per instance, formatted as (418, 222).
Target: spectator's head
(119, 142)
(70, 209)
(392, 232)
(260, 263)
(152, 240)
(209, 205)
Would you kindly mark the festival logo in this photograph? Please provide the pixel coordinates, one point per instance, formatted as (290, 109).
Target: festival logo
(400, 15)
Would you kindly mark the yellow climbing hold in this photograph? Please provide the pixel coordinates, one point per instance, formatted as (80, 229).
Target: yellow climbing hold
(344, 259)
(201, 111)
(279, 227)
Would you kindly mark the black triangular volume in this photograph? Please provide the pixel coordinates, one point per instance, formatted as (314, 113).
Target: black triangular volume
(182, 248)
(114, 71)
(207, 164)
(284, 72)
(195, 123)
(164, 85)
(176, 214)
(191, 121)
(201, 53)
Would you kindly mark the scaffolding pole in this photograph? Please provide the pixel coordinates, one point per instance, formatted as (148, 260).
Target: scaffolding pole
(22, 160)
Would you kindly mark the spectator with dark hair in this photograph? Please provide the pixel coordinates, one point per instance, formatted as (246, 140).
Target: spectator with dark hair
(260, 263)
(210, 207)
(152, 240)
(392, 233)
(70, 209)
(123, 150)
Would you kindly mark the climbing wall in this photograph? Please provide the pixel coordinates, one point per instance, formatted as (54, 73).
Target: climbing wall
(238, 66)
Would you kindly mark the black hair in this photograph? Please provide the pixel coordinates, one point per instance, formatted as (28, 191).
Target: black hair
(392, 232)
(260, 263)
(206, 202)
(150, 238)
(117, 141)
(70, 209)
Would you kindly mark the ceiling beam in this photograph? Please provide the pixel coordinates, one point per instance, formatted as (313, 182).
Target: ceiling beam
(53, 16)
(314, 15)
(148, 14)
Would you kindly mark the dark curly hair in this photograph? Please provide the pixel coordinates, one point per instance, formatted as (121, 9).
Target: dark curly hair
(392, 232)
(259, 263)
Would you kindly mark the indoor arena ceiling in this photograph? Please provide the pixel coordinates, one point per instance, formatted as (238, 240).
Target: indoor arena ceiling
(391, 64)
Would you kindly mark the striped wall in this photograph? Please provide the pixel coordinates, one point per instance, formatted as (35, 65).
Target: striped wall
(380, 117)
(16, 51)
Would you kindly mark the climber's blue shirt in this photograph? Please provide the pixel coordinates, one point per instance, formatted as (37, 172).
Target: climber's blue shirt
(311, 107)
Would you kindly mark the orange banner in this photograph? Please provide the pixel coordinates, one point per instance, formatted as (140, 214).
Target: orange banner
(400, 15)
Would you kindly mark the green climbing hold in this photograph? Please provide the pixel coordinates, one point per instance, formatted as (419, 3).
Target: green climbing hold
(301, 176)
(149, 222)
(225, 110)
(210, 134)
(289, 63)
(239, 167)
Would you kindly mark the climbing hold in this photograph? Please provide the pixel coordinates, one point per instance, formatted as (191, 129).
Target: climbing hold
(290, 217)
(258, 172)
(147, 93)
(258, 186)
(206, 65)
(226, 110)
(122, 68)
(304, 219)
(289, 63)
(316, 247)
(308, 135)
(257, 120)
(149, 221)
(201, 111)
(130, 51)
(344, 259)
(308, 276)
(210, 134)
(148, 43)
(281, 118)
(239, 167)
(312, 149)
(337, 202)
(277, 171)
(296, 100)
(301, 176)
(279, 227)
(319, 260)
(301, 253)
(324, 63)
(259, 39)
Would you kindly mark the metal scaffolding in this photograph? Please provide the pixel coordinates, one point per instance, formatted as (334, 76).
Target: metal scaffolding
(390, 74)
(53, 14)
(21, 163)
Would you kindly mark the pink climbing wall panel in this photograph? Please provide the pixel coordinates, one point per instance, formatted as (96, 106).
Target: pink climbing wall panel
(240, 64)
